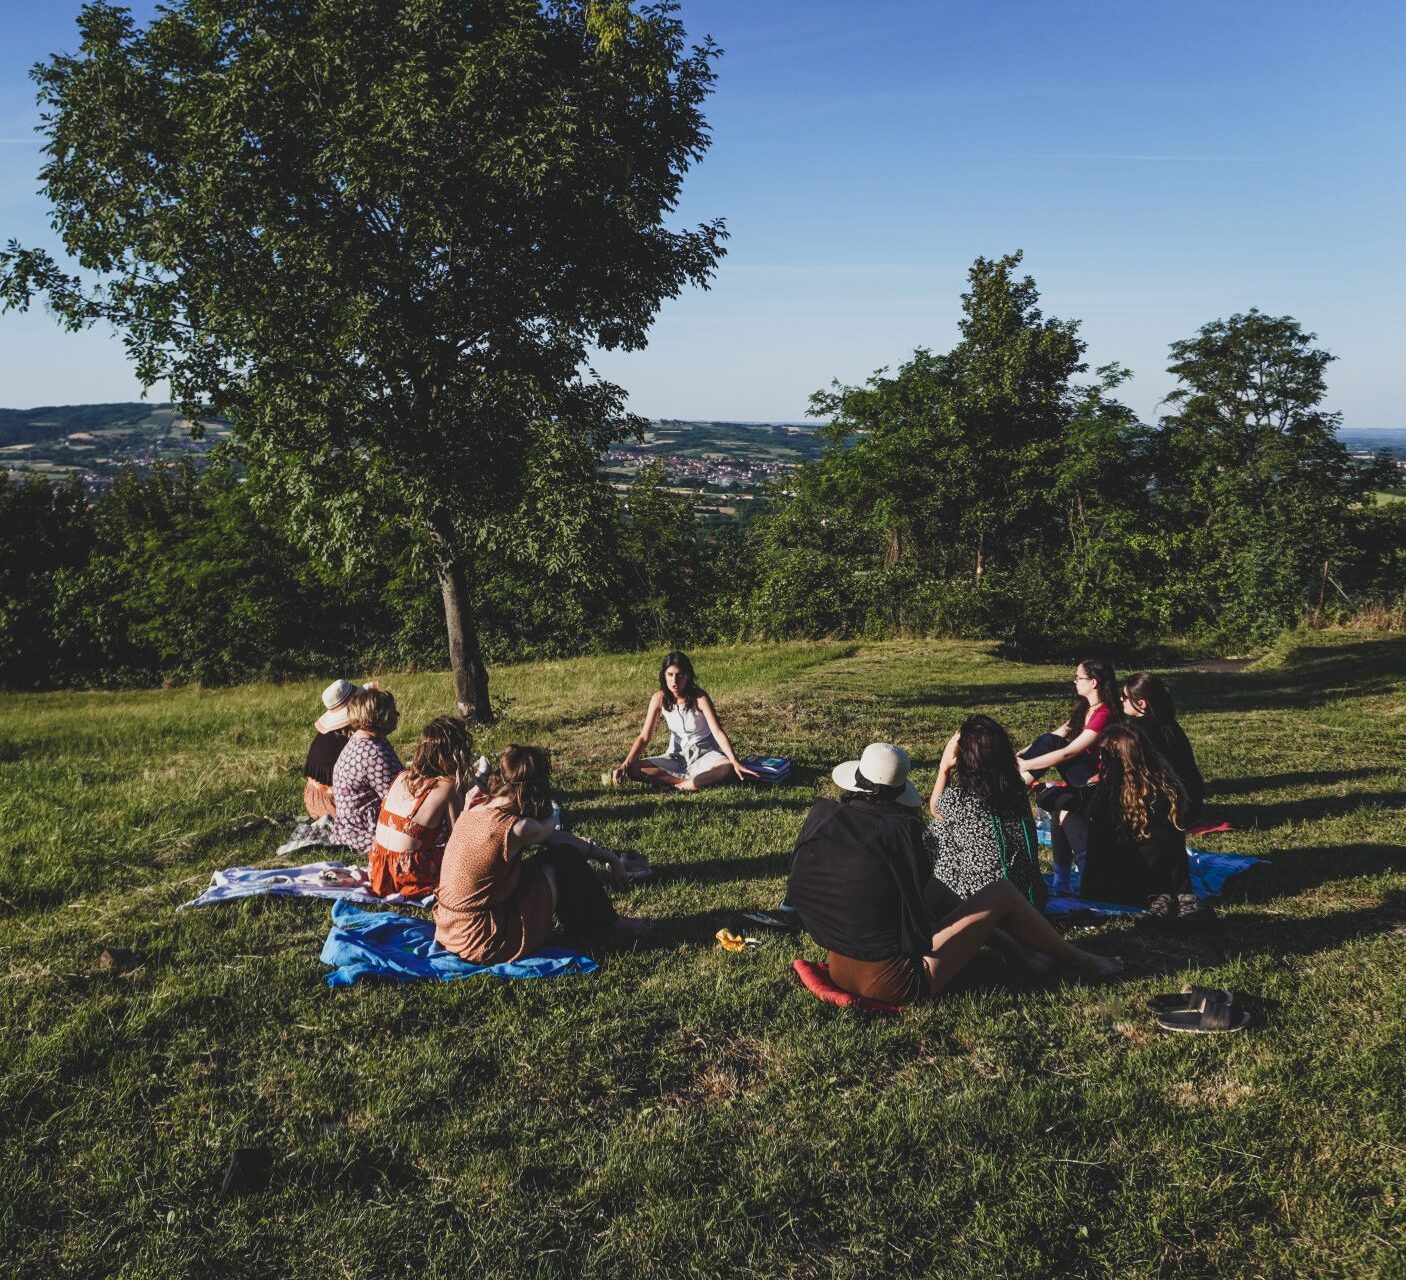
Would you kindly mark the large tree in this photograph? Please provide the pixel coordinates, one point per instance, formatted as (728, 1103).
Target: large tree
(382, 236)
(1256, 484)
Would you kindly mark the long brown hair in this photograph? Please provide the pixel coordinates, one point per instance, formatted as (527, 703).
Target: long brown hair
(986, 767)
(1138, 780)
(524, 775)
(445, 750)
(1101, 672)
(1153, 694)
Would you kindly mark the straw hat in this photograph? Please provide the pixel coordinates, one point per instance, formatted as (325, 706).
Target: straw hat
(335, 698)
(882, 772)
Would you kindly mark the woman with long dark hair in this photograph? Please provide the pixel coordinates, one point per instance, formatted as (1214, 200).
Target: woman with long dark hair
(1136, 816)
(700, 752)
(495, 904)
(861, 886)
(1147, 703)
(1072, 749)
(982, 830)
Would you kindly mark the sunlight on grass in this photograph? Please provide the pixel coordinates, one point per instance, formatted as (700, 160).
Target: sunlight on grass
(686, 1111)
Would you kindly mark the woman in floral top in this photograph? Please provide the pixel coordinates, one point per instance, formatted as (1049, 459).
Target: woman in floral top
(365, 769)
(982, 830)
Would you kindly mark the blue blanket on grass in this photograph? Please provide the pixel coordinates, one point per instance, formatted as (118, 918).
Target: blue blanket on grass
(1209, 872)
(383, 944)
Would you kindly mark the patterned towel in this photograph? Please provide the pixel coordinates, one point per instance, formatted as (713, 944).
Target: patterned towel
(382, 944)
(314, 880)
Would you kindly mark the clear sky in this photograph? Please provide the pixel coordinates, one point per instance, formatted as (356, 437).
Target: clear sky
(1161, 165)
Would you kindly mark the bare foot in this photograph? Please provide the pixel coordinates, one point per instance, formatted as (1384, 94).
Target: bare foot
(1103, 966)
(685, 784)
(1036, 963)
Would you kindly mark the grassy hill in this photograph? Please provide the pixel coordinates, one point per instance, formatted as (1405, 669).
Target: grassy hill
(686, 1111)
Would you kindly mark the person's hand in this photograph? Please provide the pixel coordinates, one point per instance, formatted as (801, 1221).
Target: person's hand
(1028, 778)
(742, 771)
(619, 872)
(619, 774)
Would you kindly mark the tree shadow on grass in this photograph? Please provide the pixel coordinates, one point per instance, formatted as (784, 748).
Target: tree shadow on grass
(725, 870)
(1259, 933)
(1301, 778)
(1364, 669)
(1305, 809)
(1295, 871)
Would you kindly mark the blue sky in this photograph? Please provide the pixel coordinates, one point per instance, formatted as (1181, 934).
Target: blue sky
(1161, 165)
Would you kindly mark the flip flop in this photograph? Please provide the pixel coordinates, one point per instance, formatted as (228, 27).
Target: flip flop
(1215, 1016)
(767, 920)
(1189, 999)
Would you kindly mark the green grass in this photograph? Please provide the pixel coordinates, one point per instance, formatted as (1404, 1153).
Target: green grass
(686, 1111)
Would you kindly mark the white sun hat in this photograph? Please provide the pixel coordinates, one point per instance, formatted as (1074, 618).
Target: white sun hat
(882, 772)
(335, 698)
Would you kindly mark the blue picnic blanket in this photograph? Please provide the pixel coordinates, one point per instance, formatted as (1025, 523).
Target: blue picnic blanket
(1209, 872)
(383, 944)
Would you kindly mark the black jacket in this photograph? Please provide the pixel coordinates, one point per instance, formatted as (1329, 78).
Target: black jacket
(857, 879)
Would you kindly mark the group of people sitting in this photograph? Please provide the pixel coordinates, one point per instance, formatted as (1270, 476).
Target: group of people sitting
(902, 907)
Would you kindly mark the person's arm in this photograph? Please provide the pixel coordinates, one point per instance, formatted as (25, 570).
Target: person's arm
(528, 832)
(705, 705)
(1081, 743)
(944, 773)
(637, 748)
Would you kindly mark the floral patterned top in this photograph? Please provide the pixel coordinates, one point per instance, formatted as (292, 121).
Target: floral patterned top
(362, 776)
(971, 848)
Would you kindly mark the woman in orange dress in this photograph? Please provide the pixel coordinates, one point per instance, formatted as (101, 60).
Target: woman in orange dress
(496, 905)
(421, 807)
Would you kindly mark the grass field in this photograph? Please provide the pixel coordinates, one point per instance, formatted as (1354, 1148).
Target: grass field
(686, 1111)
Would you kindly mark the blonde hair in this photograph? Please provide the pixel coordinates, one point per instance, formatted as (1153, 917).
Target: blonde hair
(445, 750)
(524, 775)
(372, 710)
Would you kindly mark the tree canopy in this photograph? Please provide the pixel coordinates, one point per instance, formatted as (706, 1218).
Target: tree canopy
(382, 236)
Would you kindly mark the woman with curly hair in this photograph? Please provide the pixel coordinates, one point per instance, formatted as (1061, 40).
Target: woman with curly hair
(1147, 702)
(1136, 815)
(982, 830)
(421, 807)
(495, 903)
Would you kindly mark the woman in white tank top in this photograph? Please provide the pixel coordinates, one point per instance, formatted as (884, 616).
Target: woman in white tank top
(700, 752)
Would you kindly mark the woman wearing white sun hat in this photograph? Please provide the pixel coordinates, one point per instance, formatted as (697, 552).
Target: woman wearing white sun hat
(863, 888)
(333, 729)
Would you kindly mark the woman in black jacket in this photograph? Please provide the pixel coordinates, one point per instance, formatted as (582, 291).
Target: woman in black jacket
(862, 885)
(1147, 703)
(1137, 837)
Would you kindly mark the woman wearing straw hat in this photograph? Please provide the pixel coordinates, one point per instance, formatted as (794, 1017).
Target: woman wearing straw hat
(333, 728)
(862, 886)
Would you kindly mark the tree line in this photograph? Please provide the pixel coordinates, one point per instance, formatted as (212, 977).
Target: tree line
(382, 239)
(994, 490)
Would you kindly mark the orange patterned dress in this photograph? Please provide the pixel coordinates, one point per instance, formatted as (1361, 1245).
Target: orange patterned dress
(492, 906)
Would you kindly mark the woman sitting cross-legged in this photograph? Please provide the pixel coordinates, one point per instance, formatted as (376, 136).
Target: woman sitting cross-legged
(365, 769)
(495, 904)
(1072, 749)
(861, 884)
(700, 752)
(982, 829)
(1136, 841)
(420, 809)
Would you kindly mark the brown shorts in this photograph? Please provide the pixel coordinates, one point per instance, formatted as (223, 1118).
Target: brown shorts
(901, 980)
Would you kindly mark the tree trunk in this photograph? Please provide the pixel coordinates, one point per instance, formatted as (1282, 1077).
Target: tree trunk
(465, 657)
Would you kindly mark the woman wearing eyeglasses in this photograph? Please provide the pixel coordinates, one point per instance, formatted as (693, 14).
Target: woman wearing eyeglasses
(1072, 749)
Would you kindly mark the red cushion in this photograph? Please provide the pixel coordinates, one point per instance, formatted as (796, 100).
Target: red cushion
(816, 979)
(1205, 828)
